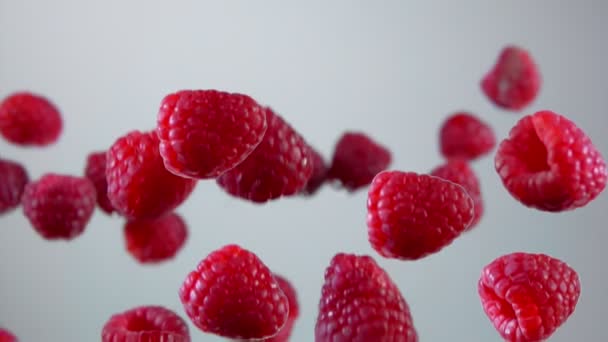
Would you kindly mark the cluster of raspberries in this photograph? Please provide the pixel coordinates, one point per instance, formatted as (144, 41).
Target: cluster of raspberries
(253, 153)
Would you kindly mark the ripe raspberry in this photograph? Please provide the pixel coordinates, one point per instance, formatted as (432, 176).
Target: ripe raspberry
(28, 119)
(233, 294)
(459, 172)
(146, 323)
(514, 81)
(155, 240)
(7, 336)
(357, 159)
(95, 170)
(139, 186)
(280, 166)
(294, 310)
(204, 133)
(59, 206)
(528, 296)
(13, 178)
(360, 303)
(550, 164)
(319, 174)
(465, 136)
(410, 216)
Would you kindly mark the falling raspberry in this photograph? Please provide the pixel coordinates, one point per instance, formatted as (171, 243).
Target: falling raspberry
(139, 186)
(234, 295)
(28, 119)
(7, 336)
(155, 240)
(514, 82)
(459, 172)
(319, 173)
(356, 160)
(465, 136)
(204, 133)
(280, 166)
(360, 302)
(146, 323)
(13, 178)
(528, 296)
(410, 216)
(550, 164)
(95, 170)
(59, 206)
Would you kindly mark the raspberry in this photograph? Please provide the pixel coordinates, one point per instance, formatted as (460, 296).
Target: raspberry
(280, 166)
(95, 170)
(319, 174)
(13, 178)
(459, 172)
(146, 323)
(465, 136)
(155, 240)
(528, 296)
(294, 310)
(59, 206)
(410, 216)
(234, 295)
(139, 186)
(514, 81)
(357, 159)
(550, 164)
(7, 336)
(204, 133)
(360, 303)
(28, 119)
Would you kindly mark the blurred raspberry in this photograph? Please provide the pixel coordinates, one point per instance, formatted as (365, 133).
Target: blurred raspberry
(155, 240)
(13, 178)
(95, 170)
(464, 136)
(146, 324)
(28, 119)
(319, 174)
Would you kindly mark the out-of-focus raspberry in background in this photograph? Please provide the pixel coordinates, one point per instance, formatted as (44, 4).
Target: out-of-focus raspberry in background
(390, 69)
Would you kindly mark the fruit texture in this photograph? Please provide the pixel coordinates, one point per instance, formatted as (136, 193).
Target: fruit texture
(204, 133)
(234, 295)
(280, 166)
(95, 170)
(59, 206)
(410, 216)
(550, 164)
(28, 119)
(13, 178)
(319, 174)
(514, 81)
(139, 186)
(356, 160)
(360, 303)
(528, 296)
(146, 324)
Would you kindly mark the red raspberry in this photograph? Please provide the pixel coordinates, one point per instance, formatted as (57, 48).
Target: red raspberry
(204, 133)
(155, 240)
(27, 119)
(146, 323)
(528, 296)
(139, 186)
(59, 206)
(360, 303)
(13, 178)
(319, 174)
(410, 216)
(514, 81)
(233, 294)
(294, 310)
(357, 159)
(459, 172)
(280, 166)
(550, 164)
(7, 336)
(95, 170)
(465, 136)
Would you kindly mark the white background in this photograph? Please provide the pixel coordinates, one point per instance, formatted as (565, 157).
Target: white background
(392, 69)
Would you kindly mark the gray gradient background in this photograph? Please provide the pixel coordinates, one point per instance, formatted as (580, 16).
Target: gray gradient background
(393, 69)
